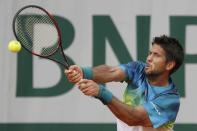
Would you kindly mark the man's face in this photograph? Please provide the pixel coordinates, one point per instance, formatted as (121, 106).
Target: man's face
(156, 61)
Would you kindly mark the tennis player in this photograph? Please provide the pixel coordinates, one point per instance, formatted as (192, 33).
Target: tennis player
(151, 100)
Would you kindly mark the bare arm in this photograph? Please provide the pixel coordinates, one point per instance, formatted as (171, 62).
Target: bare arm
(100, 74)
(104, 73)
(133, 116)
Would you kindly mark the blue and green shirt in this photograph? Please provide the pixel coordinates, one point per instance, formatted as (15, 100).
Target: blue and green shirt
(161, 103)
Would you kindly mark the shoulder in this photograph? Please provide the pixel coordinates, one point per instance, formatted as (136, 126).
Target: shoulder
(133, 66)
(133, 69)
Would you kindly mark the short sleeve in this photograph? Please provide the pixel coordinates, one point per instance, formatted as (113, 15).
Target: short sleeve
(163, 109)
(132, 69)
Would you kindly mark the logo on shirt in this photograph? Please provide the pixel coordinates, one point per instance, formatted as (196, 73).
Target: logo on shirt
(155, 107)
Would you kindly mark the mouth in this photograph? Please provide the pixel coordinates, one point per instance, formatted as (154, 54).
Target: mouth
(147, 65)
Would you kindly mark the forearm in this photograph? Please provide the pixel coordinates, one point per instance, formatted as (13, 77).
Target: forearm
(129, 114)
(133, 116)
(104, 73)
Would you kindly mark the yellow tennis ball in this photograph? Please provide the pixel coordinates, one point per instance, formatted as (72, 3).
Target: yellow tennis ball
(14, 46)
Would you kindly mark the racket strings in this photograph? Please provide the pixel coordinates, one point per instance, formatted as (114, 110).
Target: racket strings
(37, 31)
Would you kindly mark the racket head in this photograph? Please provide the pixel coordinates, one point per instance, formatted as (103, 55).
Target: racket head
(37, 43)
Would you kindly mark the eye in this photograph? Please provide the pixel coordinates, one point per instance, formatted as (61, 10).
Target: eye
(149, 53)
(157, 54)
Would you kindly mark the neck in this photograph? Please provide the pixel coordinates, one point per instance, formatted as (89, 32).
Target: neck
(160, 80)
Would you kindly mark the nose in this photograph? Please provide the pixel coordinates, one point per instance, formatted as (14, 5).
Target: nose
(149, 58)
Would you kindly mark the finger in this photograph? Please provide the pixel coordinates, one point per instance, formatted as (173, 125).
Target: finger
(82, 86)
(83, 81)
(75, 80)
(74, 68)
(85, 85)
(84, 89)
(91, 92)
(75, 76)
(67, 71)
(87, 90)
(72, 75)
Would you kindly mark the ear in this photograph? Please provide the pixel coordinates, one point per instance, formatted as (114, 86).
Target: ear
(170, 65)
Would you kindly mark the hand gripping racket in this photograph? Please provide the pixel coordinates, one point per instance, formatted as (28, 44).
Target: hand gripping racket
(38, 32)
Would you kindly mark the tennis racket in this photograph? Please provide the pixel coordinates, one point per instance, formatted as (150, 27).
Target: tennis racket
(38, 32)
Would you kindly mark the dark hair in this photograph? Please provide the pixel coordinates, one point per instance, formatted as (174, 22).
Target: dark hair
(173, 50)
